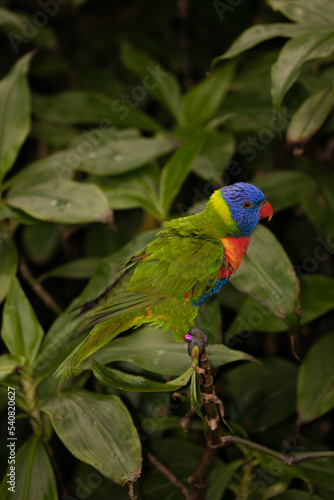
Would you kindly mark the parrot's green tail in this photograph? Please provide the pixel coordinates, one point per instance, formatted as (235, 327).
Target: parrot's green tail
(98, 337)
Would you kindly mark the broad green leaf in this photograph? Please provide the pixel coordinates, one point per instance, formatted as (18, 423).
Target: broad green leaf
(312, 45)
(88, 107)
(134, 189)
(310, 116)
(267, 275)
(8, 363)
(102, 433)
(320, 473)
(260, 33)
(316, 299)
(14, 113)
(209, 320)
(34, 477)
(55, 136)
(76, 269)
(196, 396)
(217, 150)
(297, 495)
(262, 395)
(315, 387)
(157, 352)
(203, 100)
(66, 202)
(220, 477)
(8, 261)
(319, 13)
(320, 216)
(155, 80)
(41, 241)
(21, 331)
(177, 169)
(285, 189)
(119, 156)
(134, 383)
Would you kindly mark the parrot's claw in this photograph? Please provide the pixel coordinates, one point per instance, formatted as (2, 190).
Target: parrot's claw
(196, 337)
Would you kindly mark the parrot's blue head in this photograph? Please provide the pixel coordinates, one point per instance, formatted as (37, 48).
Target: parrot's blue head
(247, 205)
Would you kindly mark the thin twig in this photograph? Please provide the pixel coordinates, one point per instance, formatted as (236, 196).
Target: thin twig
(132, 495)
(38, 288)
(290, 461)
(169, 475)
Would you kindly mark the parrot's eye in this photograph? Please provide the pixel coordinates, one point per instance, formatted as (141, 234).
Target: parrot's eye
(247, 204)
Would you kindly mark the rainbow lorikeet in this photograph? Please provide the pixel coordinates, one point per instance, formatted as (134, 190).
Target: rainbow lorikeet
(165, 283)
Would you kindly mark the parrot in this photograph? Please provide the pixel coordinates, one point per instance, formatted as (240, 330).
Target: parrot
(165, 283)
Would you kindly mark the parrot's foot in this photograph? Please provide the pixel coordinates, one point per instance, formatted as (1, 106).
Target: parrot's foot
(196, 337)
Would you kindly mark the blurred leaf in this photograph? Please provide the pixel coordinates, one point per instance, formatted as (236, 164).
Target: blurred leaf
(88, 107)
(209, 320)
(22, 30)
(133, 383)
(297, 495)
(119, 156)
(310, 116)
(203, 100)
(134, 189)
(219, 479)
(316, 299)
(66, 202)
(34, 477)
(260, 33)
(8, 261)
(196, 396)
(41, 241)
(157, 352)
(285, 189)
(114, 450)
(162, 85)
(216, 152)
(315, 387)
(8, 363)
(55, 136)
(267, 275)
(21, 331)
(177, 169)
(320, 472)
(320, 13)
(76, 269)
(319, 214)
(262, 395)
(14, 112)
(312, 45)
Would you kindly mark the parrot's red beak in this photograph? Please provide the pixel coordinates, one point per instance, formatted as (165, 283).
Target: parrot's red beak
(266, 210)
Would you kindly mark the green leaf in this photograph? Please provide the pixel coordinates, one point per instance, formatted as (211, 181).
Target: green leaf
(267, 275)
(14, 113)
(315, 387)
(21, 331)
(196, 396)
(162, 85)
(285, 189)
(66, 202)
(217, 150)
(219, 479)
(102, 433)
(297, 495)
(312, 13)
(157, 352)
(320, 472)
(134, 189)
(209, 320)
(177, 169)
(133, 383)
(203, 100)
(271, 395)
(312, 45)
(76, 269)
(260, 33)
(83, 106)
(8, 261)
(41, 242)
(316, 299)
(34, 475)
(119, 156)
(8, 363)
(310, 116)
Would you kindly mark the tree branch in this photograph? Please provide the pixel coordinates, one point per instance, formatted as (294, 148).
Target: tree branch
(169, 475)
